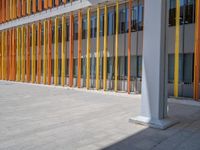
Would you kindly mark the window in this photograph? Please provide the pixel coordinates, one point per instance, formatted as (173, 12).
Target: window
(102, 25)
(139, 66)
(122, 21)
(188, 68)
(93, 26)
(84, 28)
(185, 68)
(111, 25)
(76, 30)
(187, 12)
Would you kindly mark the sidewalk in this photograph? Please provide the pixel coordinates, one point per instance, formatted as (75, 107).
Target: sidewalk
(44, 118)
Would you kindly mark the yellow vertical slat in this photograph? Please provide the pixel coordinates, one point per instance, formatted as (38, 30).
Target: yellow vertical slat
(23, 32)
(33, 53)
(98, 48)
(45, 54)
(5, 55)
(105, 48)
(63, 49)
(18, 54)
(116, 45)
(177, 46)
(88, 49)
(56, 53)
(28, 7)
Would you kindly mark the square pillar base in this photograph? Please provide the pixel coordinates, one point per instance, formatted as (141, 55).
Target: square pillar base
(158, 124)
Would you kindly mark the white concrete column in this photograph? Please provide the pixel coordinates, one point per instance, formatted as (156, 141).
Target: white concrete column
(154, 75)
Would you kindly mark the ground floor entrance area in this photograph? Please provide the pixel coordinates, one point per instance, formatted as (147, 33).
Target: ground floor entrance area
(42, 117)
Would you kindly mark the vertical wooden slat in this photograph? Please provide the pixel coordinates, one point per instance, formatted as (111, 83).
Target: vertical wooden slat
(39, 47)
(23, 39)
(34, 9)
(5, 56)
(197, 52)
(7, 53)
(88, 49)
(71, 50)
(63, 49)
(45, 4)
(116, 45)
(28, 59)
(64, 1)
(33, 54)
(98, 48)
(10, 55)
(14, 9)
(19, 8)
(49, 50)
(129, 47)
(57, 2)
(3, 53)
(45, 53)
(50, 3)
(1, 11)
(23, 7)
(79, 47)
(14, 54)
(11, 11)
(105, 48)
(177, 46)
(8, 10)
(18, 54)
(28, 3)
(56, 52)
(0, 55)
(39, 5)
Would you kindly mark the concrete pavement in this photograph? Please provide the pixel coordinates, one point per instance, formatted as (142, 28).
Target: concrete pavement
(36, 117)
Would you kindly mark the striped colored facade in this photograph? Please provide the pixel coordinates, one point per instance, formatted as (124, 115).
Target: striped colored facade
(95, 47)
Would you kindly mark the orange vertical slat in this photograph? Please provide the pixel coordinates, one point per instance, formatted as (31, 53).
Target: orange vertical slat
(79, 47)
(39, 42)
(7, 53)
(45, 4)
(34, 6)
(19, 8)
(1, 11)
(71, 50)
(64, 1)
(50, 3)
(14, 9)
(28, 72)
(23, 7)
(8, 10)
(49, 50)
(57, 2)
(39, 5)
(197, 52)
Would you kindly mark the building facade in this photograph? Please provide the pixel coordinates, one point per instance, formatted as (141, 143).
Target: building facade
(94, 44)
